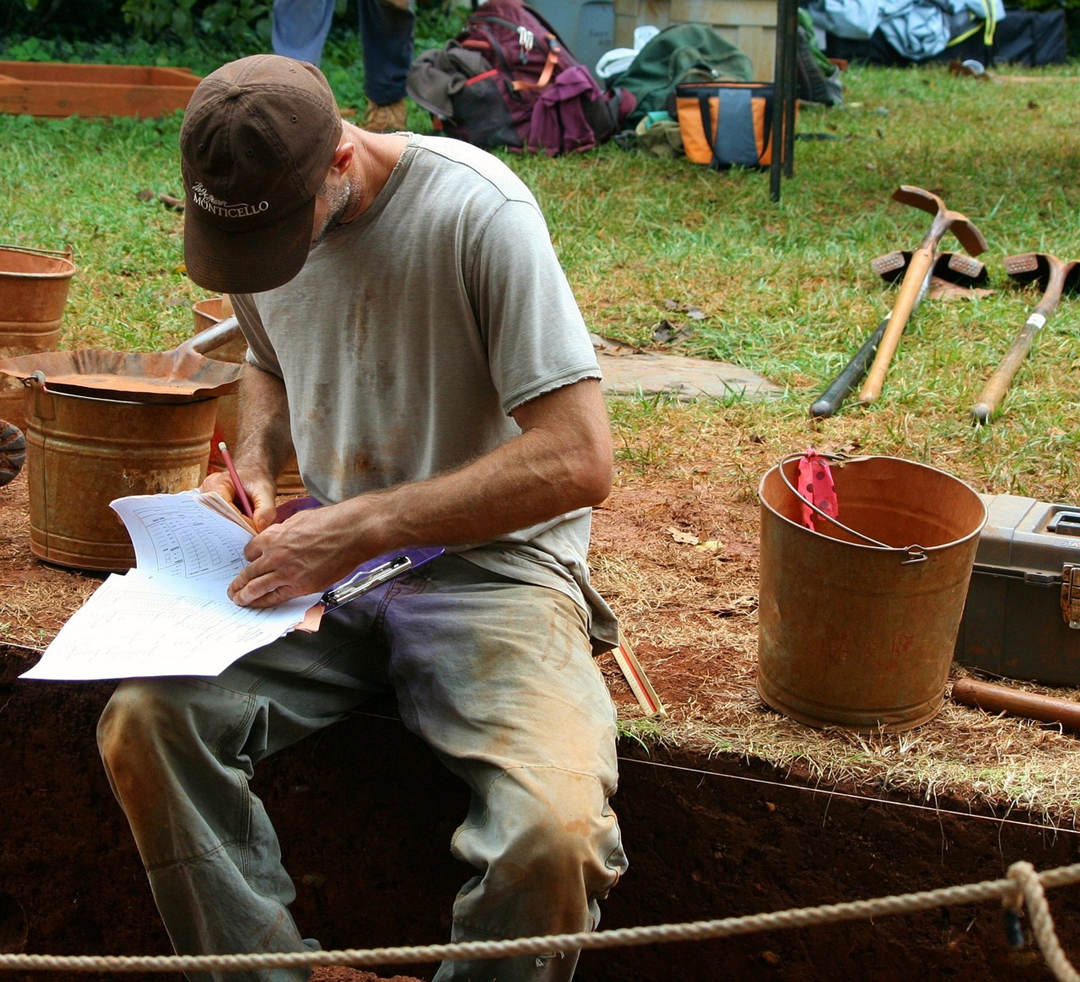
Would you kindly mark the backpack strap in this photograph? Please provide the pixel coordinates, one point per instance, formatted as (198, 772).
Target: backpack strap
(491, 45)
(550, 64)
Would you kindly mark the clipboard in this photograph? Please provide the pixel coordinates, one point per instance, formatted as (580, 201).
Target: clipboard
(377, 571)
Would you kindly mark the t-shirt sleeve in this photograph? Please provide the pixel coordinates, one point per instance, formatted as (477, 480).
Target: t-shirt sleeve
(536, 338)
(260, 351)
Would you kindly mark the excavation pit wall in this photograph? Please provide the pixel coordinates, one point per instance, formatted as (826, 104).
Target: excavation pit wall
(365, 814)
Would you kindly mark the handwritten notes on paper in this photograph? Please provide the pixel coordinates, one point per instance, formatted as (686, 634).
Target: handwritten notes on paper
(170, 615)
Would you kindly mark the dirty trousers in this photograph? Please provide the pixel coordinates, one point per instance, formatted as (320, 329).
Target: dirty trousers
(495, 675)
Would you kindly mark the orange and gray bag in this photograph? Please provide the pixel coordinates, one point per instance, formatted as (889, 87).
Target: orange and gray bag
(726, 123)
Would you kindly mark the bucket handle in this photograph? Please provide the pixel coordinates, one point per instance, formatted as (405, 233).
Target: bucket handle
(66, 254)
(44, 406)
(914, 553)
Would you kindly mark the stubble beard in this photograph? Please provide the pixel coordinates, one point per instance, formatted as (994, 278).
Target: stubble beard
(339, 205)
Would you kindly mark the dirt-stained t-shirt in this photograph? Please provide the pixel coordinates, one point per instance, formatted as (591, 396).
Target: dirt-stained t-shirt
(414, 330)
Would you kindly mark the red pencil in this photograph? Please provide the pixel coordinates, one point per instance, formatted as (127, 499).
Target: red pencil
(245, 504)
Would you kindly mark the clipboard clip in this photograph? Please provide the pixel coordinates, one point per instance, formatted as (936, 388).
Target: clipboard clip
(365, 580)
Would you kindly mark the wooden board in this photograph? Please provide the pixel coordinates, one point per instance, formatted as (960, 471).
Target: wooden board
(748, 24)
(59, 89)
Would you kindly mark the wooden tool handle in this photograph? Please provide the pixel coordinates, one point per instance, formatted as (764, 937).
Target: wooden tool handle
(221, 333)
(1005, 699)
(922, 261)
(998, 383)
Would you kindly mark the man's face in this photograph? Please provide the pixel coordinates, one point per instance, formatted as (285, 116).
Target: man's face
(330, 205)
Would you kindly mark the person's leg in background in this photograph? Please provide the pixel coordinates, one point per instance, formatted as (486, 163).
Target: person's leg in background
(299, 28)
(386, 27)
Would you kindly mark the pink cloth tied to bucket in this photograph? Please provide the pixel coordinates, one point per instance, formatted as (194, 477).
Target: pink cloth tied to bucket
(815, 485)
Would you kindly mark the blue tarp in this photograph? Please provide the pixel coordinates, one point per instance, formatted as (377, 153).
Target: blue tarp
(916, 30)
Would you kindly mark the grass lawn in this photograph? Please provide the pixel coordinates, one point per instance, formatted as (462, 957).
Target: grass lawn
(784, 288)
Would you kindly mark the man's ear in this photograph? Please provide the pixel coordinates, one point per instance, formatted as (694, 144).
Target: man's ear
(343, 157)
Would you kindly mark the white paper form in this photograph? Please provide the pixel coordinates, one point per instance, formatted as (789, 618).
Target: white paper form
(170, 615)
(178, 536)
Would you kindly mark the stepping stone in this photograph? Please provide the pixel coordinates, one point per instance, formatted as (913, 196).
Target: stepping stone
(630, 371)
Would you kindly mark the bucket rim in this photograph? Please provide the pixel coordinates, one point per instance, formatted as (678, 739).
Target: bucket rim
(123, 402)
(898, 550)
(67, 272)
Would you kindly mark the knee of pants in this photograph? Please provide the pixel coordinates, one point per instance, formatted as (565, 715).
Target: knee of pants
(566, 852)
(554, 832)
(132, 731)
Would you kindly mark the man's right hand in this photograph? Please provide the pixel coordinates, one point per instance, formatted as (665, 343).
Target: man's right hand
(261, 492)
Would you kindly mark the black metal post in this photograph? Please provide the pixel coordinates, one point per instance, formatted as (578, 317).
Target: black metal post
(784, 95)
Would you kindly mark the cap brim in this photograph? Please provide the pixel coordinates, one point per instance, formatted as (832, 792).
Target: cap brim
(251, 261)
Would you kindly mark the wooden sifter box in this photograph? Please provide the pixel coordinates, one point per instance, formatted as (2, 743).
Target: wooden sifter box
(1022, 615)
(42, 88)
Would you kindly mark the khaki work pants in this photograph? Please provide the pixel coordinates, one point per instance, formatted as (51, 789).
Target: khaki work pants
(495, 675)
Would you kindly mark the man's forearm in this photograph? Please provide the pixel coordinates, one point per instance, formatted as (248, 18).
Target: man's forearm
(523, 483)
(560, 462)
(264, 440)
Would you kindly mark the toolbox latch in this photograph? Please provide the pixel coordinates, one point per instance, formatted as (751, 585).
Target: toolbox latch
(1070, 594)
(1065, 523)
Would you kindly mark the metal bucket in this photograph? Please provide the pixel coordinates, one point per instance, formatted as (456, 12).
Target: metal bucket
(207, 313)
(857, 623)
(34, 287)
(83, 452)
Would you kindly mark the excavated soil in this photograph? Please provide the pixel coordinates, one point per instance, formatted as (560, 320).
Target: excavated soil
(365, 812)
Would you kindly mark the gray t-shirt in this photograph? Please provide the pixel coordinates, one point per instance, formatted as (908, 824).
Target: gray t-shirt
(413, 331)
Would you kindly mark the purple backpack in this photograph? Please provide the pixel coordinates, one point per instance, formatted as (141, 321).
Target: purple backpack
(507, 80)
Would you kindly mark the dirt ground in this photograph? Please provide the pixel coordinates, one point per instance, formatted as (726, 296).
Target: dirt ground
(676, 555)
(704, 631)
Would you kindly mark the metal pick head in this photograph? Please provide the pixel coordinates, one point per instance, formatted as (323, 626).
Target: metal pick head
(1039, 267)
(909, 194)
(1030, 267)
(1026, 265)
(952, 266)
(1072, 277)
(964, 230)
(967, 234)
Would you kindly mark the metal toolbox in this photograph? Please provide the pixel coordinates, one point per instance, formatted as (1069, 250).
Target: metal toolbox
(1022, 614)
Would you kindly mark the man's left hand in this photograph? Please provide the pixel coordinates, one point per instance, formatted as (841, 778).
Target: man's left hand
(306, 553)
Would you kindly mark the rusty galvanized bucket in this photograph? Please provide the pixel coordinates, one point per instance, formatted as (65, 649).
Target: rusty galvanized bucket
(83, 452)
(34, 286)
(858, 620)
(207, 313)
(104, 424)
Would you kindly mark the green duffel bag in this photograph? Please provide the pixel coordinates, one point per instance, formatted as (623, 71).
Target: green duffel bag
(680, 53)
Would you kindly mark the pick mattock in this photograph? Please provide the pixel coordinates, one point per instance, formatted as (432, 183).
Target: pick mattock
(922, 259)
(1056, 277)
(952, 266)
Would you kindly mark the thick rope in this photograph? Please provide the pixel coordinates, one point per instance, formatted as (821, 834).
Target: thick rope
(1042, 924)
(1022, 880)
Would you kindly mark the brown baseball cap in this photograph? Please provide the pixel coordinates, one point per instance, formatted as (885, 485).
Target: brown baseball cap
(256, 144)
